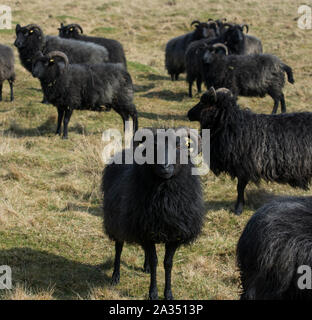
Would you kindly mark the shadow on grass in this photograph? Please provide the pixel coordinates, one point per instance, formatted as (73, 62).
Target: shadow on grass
(254, 199)
(41, 271)
(143, 88)
(167, 95)
(154, 116)
(153, 77)
(46, 128)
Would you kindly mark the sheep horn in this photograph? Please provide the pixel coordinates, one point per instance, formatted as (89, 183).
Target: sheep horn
(245, 26)
(60, 54)
(221, 45)
(195, 21)
(228, 25)
(212, 92)
(76, 26)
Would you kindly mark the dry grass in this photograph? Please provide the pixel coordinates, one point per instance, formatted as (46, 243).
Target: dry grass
(50, 205)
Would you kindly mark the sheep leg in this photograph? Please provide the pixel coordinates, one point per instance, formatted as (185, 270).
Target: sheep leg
(176, 77)
(146, 267)
(283, 104)
(116, 273)
(275, 106)
(152, 260)
(199, 83)
(190, 89)
(1, 85)
(11, 90)
(68, 113)
(241, 185)
(168, 262)
(60, 115)
(172, 76)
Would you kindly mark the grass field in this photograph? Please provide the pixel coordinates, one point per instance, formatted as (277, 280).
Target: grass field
(50, 204)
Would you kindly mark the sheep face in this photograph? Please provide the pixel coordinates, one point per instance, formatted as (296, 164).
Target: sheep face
(47, 68)
(166, 149)
(234, 38)
(70, 31)
(213, 52)
(210, 108)
(204, 30)
(27, 37)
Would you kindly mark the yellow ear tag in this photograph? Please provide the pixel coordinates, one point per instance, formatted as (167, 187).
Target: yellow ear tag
(31, 31)
(51, 60)
(71, 29)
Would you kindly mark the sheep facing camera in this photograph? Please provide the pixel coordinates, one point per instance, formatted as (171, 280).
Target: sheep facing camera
(159, 147)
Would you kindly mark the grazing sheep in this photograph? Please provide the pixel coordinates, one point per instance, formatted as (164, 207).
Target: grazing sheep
(231, 35)
(114, 48)
(85, 87)
(246, 75)
(30, 40)
(251, 147)
(6, 68)
(155, 203)
(175, 48)
(275, 243)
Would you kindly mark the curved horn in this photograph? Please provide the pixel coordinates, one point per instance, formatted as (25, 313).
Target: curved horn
(195, 21)
(76, 26)
(245, 26)
(223, 46)
(60, 54)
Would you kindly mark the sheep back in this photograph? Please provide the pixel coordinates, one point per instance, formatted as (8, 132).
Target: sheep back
(6, 63)
(275, 242)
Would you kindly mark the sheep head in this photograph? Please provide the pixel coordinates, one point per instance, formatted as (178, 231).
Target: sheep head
(29, 36)
(165, 152)
(70, 31)
(49, 66)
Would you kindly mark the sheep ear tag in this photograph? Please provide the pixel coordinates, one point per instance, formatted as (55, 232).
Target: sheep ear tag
(71, 29)
(31, 31)
(51, 60)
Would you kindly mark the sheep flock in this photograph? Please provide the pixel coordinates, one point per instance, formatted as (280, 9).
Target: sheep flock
(147, 204)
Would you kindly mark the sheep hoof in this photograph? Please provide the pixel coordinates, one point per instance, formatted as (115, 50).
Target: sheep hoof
(153, 295)
(146, 268)
(115, 279)
(238, 211)
(168, 296)
(65, 137)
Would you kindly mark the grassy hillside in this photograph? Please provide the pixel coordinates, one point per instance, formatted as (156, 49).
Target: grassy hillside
(50, 204)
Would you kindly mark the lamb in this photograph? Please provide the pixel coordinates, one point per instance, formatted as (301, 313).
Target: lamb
(30, 40)
(175, 48)
(114, 48)
(231, 35)
(155, 203)
(274, 249)
(6, 69)
(251, 147)
(85, 87)
(246, 75)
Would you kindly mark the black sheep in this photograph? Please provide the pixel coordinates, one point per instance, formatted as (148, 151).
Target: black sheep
(253, 75)
(114, 47)
(6, 68)
(251, 147)
(155, 203)
(231, 35)
(176, 47)
(30, 40)
(84, 86)
(275, 243)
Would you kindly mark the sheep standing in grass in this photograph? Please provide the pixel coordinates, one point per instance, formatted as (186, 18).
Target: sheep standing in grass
(275, 243)
(30, 40)
(114, 47)
(155, 203)
(85, 87)
(231, 35)
(251, 147)
(176, 47)
(254, 75)
(6, 68)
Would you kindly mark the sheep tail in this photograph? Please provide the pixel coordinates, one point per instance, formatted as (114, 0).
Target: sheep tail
(289, 72)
